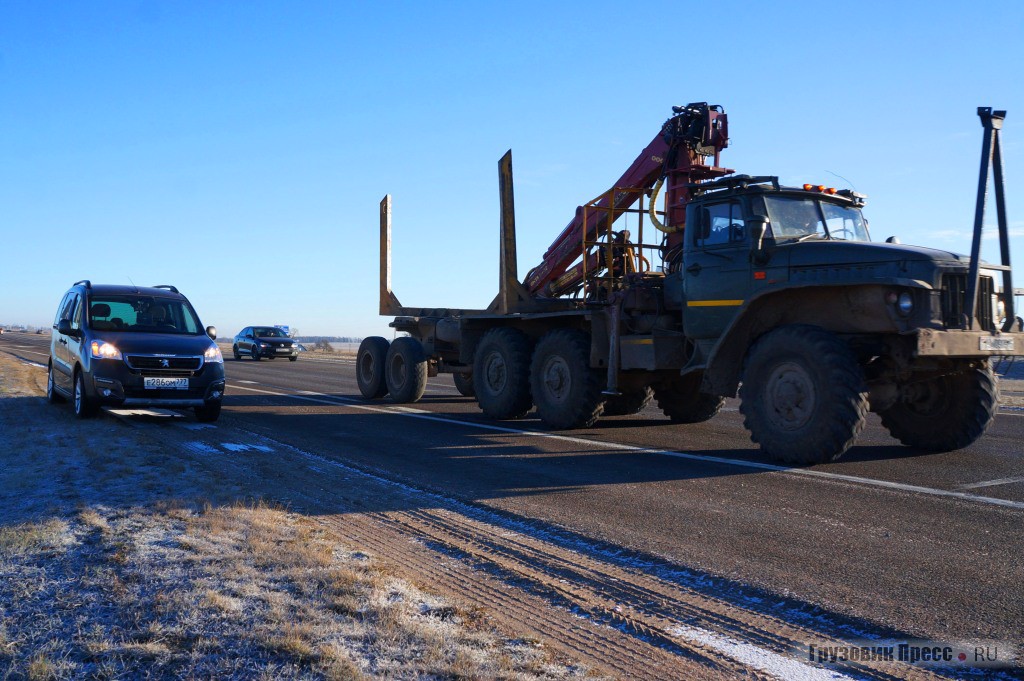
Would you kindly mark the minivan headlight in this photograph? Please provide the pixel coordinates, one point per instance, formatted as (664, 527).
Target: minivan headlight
(213, 355)
(104, 350)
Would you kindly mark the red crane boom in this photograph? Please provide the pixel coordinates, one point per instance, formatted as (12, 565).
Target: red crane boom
(678, 154)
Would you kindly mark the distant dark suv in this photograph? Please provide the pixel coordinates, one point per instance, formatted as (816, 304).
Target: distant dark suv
(264, 341)
(133, 346)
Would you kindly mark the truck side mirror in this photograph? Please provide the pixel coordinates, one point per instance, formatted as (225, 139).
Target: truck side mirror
(758, 225)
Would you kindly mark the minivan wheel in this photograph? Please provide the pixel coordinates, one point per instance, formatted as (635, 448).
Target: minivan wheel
(52, 396)
(208, 413)
(84, 407)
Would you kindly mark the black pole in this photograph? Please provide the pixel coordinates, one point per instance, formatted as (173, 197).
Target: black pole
(971, 303)
(1004, 234)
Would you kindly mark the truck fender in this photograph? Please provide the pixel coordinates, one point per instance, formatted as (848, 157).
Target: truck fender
(848, 307)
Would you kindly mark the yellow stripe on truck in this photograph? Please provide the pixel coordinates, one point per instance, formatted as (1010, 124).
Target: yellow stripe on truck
(713, 303)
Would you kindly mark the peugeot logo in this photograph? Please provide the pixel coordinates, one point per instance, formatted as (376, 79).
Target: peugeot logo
(165, 363)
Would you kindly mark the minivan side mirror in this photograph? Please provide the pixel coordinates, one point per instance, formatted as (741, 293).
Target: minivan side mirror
(211, 331)
(64, 328)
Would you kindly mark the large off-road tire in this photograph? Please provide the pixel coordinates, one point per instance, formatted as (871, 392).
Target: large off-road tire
(631, 401)
(370, 367)
(683, 402)
(804, 399)
(405, 370)
(84, 406)
(945, 412)
(566, 390)
(52, 396)
(208, 413)
(501, 374)
(464, 384)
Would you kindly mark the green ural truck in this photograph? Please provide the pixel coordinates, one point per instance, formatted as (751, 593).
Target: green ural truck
(770, 292)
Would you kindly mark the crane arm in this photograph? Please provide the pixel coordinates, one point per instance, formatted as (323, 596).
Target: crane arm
(678, 153)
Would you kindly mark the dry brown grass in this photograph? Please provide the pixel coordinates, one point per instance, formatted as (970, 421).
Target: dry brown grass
(247, 590)
(111, 566)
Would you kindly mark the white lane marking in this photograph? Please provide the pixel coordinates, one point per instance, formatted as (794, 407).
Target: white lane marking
(162, 413)
(240, 447)
(34, 364)
(249, 382)
(33, 352)
(748, 654)
(872, 482)
(200, 447)
(992, 483)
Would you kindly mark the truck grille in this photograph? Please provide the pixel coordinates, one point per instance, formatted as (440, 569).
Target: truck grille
(954, 295)
(151, 365)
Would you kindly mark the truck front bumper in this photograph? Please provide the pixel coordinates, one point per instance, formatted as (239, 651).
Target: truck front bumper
(957, 343)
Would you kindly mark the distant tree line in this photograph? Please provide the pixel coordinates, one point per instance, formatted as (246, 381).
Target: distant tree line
(328, 339)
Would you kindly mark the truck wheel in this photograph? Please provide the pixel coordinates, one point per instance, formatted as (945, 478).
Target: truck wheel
(464, 384)
(683, 402)
(566, 390)
(945, 412)
(501, 374)
(629, 402)
(370, 367)
(803, 395)
(405, 370)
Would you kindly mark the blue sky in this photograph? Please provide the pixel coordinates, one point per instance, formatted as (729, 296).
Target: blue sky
(239, 150)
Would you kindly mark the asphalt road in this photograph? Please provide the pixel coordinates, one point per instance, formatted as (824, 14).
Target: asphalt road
(896, 541)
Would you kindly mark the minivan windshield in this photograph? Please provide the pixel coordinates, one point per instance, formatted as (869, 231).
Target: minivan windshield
(142, 314)
(799, 217)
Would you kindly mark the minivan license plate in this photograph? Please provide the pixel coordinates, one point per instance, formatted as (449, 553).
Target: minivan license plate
(160, 383)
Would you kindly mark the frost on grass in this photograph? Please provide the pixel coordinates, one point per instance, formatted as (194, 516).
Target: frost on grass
(239, 591)
(105, 573)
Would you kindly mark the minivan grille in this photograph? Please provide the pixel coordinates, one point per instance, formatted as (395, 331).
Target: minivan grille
(954, 295)
(164, 365)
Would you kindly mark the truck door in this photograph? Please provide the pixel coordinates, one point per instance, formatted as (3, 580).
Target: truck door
(716, 265)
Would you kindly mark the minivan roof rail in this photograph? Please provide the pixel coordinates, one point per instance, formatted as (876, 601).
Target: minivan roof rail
(170, 288)
(88, 284)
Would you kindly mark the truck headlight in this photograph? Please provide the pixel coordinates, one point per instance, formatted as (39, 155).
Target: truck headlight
(213, 355)
(905, 304)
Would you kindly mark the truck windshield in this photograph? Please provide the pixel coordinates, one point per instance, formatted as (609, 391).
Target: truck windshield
(793, 217)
